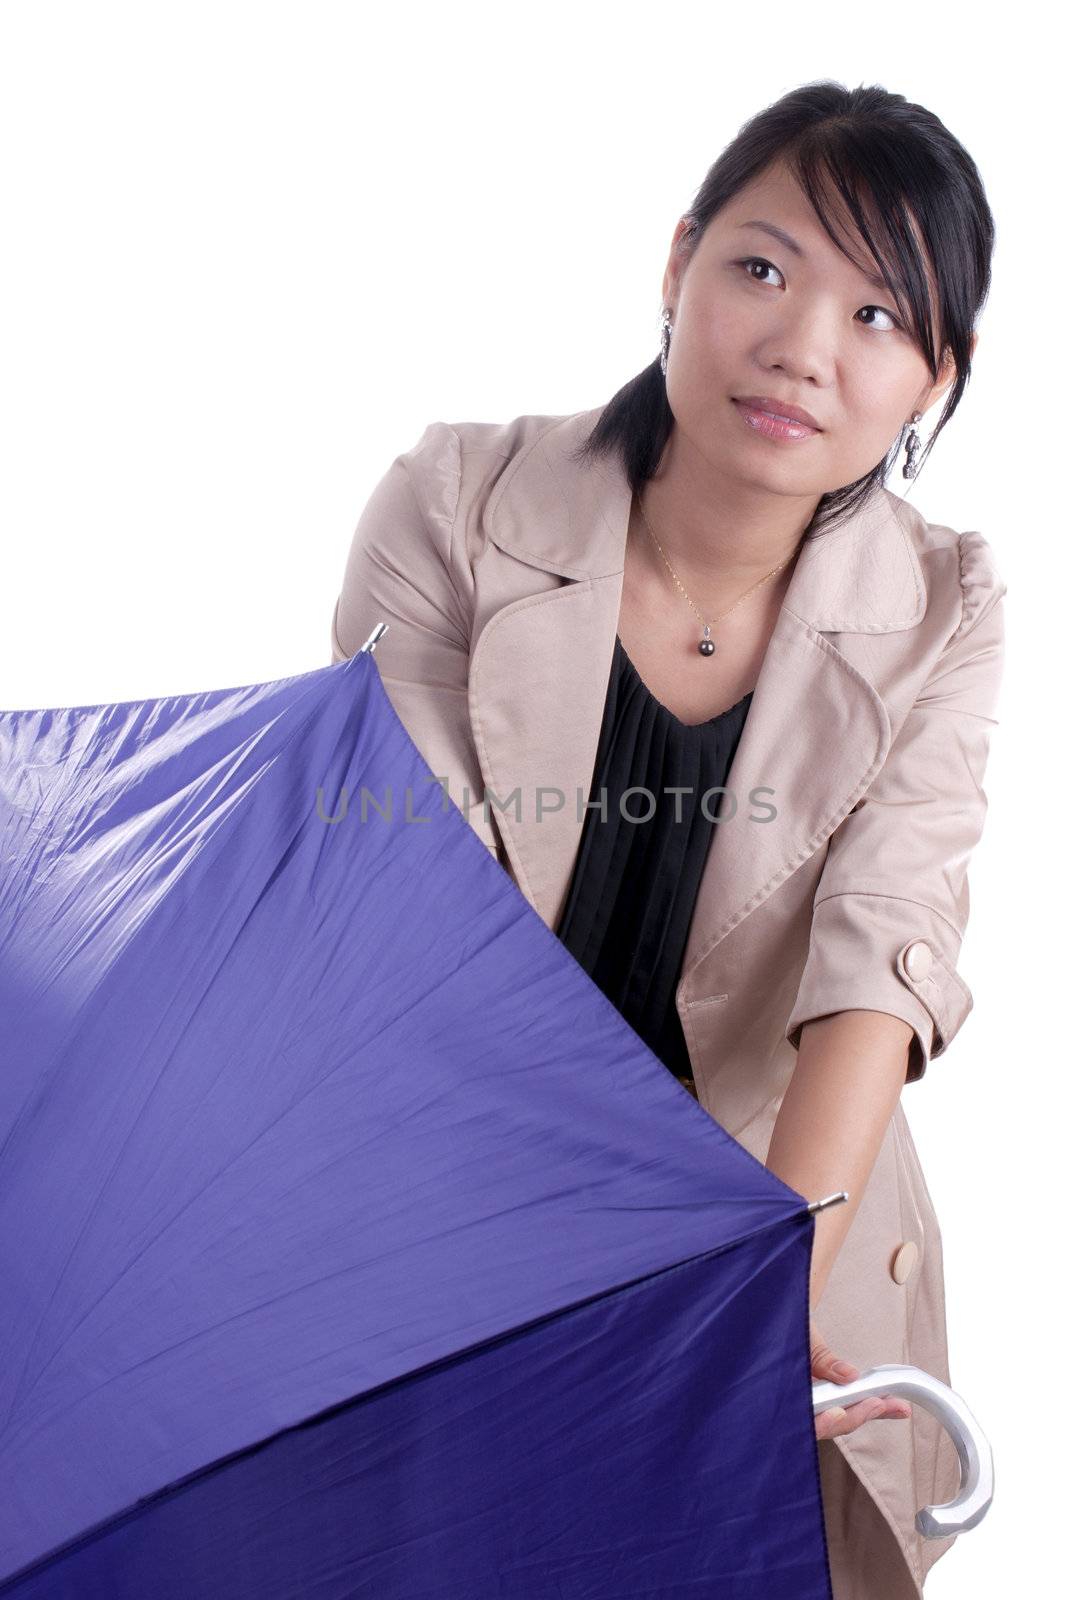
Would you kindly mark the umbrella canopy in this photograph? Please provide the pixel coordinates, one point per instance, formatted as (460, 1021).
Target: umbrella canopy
(351, 1242)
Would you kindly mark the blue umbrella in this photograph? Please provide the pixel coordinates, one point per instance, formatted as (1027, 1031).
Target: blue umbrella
(351, 1241)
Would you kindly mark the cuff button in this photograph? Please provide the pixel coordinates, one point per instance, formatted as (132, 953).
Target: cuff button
(918, 960)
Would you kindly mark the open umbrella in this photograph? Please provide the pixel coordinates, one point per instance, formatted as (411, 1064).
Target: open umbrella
(351, 1242)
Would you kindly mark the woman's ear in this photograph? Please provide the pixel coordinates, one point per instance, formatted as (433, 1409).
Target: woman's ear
(677, 257)
(947, 372)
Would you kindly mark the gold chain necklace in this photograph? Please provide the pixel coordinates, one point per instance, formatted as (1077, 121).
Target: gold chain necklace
(706, 646)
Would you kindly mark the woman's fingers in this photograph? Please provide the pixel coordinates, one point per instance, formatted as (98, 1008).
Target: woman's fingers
(824, 1363)
(837, 1420)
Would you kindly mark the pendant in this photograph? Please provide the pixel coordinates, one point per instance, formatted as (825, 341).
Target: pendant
(706, 647)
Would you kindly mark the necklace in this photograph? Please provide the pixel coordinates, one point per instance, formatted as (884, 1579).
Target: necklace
(706, 645)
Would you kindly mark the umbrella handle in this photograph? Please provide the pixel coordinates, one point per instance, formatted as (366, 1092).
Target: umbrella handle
(977, 1463)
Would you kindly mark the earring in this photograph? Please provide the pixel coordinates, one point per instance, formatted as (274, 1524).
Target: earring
(665, 340)
(911, 447)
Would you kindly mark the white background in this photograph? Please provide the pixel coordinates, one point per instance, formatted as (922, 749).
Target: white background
(251, 251)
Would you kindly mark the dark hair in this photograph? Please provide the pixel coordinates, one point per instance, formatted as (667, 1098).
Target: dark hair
(872, 147)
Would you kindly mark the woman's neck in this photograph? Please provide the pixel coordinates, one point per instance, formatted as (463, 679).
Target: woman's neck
(712, 566)
(717, 532)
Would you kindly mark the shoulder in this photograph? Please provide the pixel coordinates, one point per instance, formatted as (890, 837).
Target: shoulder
(478, 452)
(960, 569)
(434, 490)
(461, 471)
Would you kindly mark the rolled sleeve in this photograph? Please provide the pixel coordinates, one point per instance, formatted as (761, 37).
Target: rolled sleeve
(892, 902)
(873, 952)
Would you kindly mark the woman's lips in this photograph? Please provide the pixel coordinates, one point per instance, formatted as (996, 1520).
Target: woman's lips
(773, 427)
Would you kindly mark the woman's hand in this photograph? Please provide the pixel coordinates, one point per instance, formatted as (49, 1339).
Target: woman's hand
(845, 1419)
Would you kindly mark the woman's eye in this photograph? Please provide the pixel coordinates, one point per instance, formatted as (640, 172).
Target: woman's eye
(757, 261)
(893, 322)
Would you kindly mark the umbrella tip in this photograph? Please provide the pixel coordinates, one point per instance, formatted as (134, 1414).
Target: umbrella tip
(376, 636)
(830, 1200)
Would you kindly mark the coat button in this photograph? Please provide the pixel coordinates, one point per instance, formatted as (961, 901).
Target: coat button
(904, 1260)
(918, 960)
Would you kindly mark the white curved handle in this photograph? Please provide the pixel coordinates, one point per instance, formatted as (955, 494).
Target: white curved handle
(977, 1463)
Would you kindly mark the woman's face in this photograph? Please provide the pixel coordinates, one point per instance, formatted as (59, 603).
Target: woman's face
(753, 317)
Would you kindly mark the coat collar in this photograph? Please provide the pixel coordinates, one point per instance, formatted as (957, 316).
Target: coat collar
(540, 666)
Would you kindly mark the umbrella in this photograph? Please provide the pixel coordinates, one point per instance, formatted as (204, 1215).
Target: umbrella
(351, 1241)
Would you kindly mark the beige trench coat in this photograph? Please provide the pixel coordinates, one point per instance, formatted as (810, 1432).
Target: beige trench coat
(497, 562)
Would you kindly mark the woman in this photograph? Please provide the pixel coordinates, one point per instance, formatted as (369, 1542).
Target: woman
(704, 589)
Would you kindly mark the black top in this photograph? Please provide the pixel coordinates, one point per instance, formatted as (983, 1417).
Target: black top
(627, 914)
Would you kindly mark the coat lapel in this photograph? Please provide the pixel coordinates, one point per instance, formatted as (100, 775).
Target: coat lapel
(817, 729)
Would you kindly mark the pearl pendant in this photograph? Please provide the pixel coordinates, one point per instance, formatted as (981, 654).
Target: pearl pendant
(706, 647)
